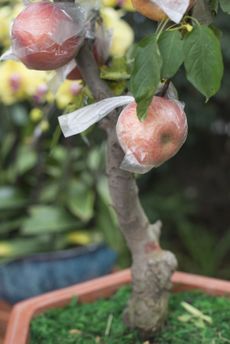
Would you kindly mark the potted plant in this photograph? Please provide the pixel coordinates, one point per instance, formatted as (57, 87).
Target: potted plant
(147, 132)
(20, 320)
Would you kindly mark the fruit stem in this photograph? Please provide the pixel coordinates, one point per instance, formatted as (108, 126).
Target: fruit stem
(164, 89)
(161, 27)
(192, 19)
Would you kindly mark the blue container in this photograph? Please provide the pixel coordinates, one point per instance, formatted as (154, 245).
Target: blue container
(30, 276)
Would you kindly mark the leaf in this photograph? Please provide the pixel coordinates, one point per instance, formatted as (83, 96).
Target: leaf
(171, 49)
(8, 226)
(196, 312)
(20, 247)
(116, 71)
(26, 160)
(203, 60)
(202, 12)
(11, 198)
(214, 4)
(81, 201)
(185, 317)
(225, 6)
(48, 219)
(145, 76)
(7, 145)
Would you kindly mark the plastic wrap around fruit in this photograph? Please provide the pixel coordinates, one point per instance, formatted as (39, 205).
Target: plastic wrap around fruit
(46, 36)
(149, 143)
(161, 9)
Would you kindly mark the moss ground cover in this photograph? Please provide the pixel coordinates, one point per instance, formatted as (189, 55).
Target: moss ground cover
(194, 318)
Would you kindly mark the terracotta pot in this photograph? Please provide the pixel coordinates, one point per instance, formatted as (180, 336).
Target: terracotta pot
(23, 312)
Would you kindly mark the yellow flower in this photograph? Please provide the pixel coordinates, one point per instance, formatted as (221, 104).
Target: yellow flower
(127, 5)
(122, 33)
(79, 238)
(7, 14)
(44, 126)
(5, 19)
(67, 92)
(19, 83)
(36, 114)
(110, 3)
(5, 249)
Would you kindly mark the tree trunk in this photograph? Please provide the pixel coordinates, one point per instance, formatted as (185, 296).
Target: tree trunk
(152, 267)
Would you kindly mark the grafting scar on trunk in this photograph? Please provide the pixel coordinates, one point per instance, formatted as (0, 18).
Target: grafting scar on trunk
(152, 267)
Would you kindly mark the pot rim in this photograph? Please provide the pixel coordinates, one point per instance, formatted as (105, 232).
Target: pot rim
(23, 312)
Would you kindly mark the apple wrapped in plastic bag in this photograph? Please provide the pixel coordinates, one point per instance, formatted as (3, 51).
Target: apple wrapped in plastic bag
(151, 142)
(146, 144)
(161, 9)
(46, 35)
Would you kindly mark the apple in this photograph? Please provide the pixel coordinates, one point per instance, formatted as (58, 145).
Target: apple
(150, 10)
(44, 36)
(158, 137)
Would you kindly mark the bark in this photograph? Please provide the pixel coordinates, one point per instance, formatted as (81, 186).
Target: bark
(152, 267)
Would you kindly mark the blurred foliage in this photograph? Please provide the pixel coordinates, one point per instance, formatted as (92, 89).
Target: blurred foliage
(52, 198)
(53, 191)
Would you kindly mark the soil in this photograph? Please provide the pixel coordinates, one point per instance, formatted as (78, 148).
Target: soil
(206, 322)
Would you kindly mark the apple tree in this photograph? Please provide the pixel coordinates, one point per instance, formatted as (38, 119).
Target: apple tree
(150, 129)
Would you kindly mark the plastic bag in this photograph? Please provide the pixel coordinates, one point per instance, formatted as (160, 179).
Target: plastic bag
(175, 9)
(46, 35)
(149, 143)
(80, 120)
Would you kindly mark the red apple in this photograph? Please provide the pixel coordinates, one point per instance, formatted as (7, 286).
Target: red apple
(156, 139)
(44, 36)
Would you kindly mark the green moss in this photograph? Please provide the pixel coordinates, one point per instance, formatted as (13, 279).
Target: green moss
(101, 322)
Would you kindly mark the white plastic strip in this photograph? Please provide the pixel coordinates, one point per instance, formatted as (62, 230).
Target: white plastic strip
(8, 55)
(80, 120)
(130, 164)
(175, 9)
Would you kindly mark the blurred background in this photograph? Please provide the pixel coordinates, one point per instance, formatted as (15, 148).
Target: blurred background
(54, 200)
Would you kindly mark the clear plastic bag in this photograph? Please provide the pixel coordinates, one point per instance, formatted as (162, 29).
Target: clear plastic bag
(174, 9)
(151, 142)
(46, 35)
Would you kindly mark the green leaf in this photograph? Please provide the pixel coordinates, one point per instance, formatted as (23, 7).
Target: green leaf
(9, 226)
(26, 160)
(225, 6)
(145, 76)
(81, 201)
(202, 12)
(116, 71)
(11, 198)
(172, 53)
(203, 60)
(48, 219)
(214, 4)
(20, 247)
